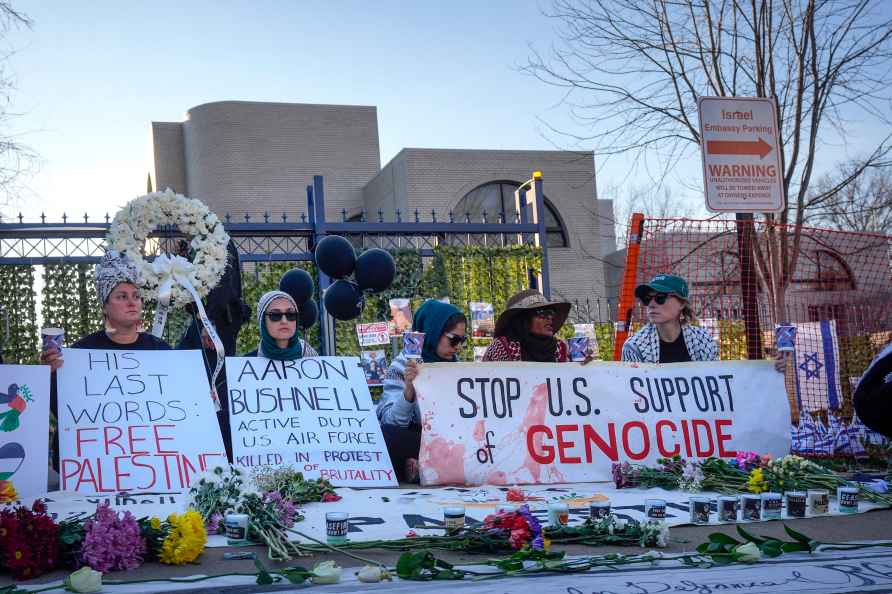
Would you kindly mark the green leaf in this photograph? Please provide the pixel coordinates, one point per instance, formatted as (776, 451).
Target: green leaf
(795, 547)
(701, 548)
(798, 536)
(750, 537)
(296, 574)
(723, 539)
(409, 563)
(771, 548)
(263, 576)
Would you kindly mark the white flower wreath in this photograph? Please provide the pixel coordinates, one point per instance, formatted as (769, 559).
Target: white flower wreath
(139, 217)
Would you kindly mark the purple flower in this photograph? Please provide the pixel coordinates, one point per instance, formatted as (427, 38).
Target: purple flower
(535, 526)
(284, 508)
(538, 543)
(215, 523)
(112, 542)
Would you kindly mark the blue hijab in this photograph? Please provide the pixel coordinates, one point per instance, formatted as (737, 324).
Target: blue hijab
(431, 319)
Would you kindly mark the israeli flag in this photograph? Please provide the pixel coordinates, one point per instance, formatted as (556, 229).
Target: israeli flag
(817, 366)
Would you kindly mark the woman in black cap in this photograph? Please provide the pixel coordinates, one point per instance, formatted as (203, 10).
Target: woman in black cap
(526, 330)
(668, 336)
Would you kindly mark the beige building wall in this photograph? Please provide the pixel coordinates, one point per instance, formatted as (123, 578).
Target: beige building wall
(242, 156)
(437, 179)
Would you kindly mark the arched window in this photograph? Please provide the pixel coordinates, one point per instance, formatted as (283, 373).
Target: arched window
(826, 271)
(495, 198)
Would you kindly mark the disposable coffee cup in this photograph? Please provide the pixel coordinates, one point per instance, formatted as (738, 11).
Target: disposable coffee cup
(785, 337)
(52, 337)
(413, 342)
(578, 347)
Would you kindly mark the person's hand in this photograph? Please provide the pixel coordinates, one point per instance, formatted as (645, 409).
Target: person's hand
(52, 357)
(412, 369)
(206, 341)
(780, 361)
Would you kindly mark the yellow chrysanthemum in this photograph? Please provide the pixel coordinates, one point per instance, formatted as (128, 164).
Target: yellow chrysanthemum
(7, 493)
(756, 482)
(155, 523)
(186, 539)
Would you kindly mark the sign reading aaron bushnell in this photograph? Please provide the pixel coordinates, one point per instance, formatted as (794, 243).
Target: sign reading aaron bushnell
(313, 414)
(135, 421)
(563, 423)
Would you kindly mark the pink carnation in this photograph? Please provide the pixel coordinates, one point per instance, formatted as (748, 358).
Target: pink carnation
(112, 542)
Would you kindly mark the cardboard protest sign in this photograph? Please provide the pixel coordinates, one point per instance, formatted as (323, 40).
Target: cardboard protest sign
(313, 414)
(135, 421)
(513, 423)
(24, 427)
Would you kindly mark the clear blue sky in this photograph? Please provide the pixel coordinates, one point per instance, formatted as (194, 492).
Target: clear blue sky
(92, 76)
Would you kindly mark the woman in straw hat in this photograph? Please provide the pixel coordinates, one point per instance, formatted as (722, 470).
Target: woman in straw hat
(526, 330)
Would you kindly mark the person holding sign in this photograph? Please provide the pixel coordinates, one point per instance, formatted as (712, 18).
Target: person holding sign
(669, 336)
(277, 317)
(526, 330)
(122, 310)
(445, 331)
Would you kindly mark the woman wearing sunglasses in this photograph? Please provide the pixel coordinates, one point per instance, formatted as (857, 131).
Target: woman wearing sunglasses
(277, 319)
(668, 336)
(444, 327)
(526, 330)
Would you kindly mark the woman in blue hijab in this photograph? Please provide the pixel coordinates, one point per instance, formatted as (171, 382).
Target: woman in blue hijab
(444, 327)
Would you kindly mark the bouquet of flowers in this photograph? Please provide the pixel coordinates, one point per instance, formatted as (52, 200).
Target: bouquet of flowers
(520, 526)
(292, 485)
(793, 473)
(8, 493)
(711, 474)
(112, 541)
(271, 508)
(29, 540)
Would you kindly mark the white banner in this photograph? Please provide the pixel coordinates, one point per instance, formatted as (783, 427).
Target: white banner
(314, 414)
(516, 423)
(135, 421)
(24, 427)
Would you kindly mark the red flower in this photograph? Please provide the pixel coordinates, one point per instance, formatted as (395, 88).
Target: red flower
(30, 545)
(411, 534)
(329, 497)
(516, 494)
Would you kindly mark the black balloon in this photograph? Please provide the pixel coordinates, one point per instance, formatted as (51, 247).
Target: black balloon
(375, 270)
(309, 313)
(335, 256)
(298, 283)
(344, 300)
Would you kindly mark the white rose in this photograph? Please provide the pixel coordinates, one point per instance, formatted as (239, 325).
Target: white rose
(85, 580)
(372, 574)
(747, 553)
(326, 572)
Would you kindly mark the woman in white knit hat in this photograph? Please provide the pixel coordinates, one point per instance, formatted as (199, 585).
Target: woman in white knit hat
(122, 311)
(277, 318)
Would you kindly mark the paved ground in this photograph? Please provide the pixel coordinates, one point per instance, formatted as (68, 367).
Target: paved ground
(875, 525)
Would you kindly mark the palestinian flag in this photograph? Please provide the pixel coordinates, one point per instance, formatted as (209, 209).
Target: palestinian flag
(12, 455)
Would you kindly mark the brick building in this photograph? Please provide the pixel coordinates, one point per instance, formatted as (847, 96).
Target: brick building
(250, 157)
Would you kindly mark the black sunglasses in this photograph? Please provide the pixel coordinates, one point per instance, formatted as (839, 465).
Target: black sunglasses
(545, 312)
(455, 339)
(660, 298)
(276, 316)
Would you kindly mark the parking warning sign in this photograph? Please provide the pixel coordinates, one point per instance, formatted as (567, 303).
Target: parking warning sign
(741, 155)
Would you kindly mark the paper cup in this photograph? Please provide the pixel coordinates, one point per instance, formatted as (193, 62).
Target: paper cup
(578, 347)
(785, 338)
(52, 337)
(413, 342)
(336, 527)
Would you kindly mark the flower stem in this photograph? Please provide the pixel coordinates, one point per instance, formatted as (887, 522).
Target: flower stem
(336, 549)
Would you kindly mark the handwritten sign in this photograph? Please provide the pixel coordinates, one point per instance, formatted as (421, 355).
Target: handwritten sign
(24, 427)
(372, 334)
(135, 421)
(555, 423)
(313, 414)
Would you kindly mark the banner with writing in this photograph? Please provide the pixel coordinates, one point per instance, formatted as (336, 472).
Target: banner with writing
(313, 414)
(511, 423)
(135, 421)
(372, 334)
(24, 427)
